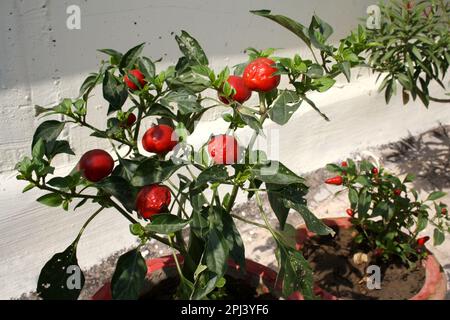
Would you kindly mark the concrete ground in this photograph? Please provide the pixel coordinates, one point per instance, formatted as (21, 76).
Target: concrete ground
(426, 155)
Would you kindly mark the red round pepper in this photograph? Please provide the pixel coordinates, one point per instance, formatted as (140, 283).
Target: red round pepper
(223, 149)
(152, 199)
(259, 75)
(138, 75)
(242, 94)
(159, 139)
(95, 165)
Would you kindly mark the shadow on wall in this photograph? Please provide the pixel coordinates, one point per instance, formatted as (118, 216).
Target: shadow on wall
(427, 156)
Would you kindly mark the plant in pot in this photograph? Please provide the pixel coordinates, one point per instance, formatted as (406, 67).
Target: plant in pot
(180, 195)
(411, 48)
(383, 232)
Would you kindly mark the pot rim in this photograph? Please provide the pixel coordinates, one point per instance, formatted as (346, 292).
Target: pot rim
(266, 274)
(435, 285)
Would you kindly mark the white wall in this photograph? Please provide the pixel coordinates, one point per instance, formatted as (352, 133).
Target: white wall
(42, 61)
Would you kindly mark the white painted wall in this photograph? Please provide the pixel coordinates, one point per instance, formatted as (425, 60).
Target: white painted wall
(41, 61)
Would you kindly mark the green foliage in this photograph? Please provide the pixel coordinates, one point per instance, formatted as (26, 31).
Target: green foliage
(128, 278)
(411, 48)
(55, 281)
(389, 215)
(200, 207)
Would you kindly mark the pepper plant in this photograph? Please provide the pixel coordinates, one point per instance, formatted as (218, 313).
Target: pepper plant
(410, 50)
(178, 186)
(387, 214)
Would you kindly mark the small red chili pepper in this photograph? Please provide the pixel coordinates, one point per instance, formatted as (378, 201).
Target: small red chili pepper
(350, 212)
(444, 211)
(344, 164)
(375, 171)
(378, 252)
(409, 5)
(335, 180)
(421, 241)
(397, 192)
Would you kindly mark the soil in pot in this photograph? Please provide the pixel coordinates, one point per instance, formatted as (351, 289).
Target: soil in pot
(234, 289)
(331, 258)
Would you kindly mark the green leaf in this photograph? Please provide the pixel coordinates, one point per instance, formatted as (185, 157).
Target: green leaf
(56, 147)
(345, 68)
(166, 224)
(64, 182)
(28, 187)
(362, 180)
(152, 171)
(319, 31)
(438, 237)
(233, 240)
(364, 202)
(88, 83)
(39, 149)
(251, 121)
(204, 284)
(313, 105)
(298, 29)
(353, 197)
(129, 276)
(191, 49)
(121, 189)
(295, 192)
(422, 222)
(51, 199)
(323, 84)
(129, 58)
(183, 100)
(56, 281)
(216, 173)
(189, 80)
(216, 252)
(313, 223)
(275, 172)
(278, 207)
(409, 178)
(315, 71)
(295, 273)
(114, 91)
(199, 224)
(161, 111)
(48, 130)
(115, 55)
(284, 106)
(436, 195)
(147, 67)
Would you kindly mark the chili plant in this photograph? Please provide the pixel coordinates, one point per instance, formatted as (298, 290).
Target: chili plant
(387, 214)
(181, 187)
(411, 48)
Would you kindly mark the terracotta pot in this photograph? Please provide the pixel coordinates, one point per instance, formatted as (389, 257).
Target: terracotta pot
(435, 286)
(159, 269)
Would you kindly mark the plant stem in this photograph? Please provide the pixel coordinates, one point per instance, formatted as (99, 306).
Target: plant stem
(86, 223)
(176, 259)
(233, 196)
(85, 124)
(264, 216)
(249, 221)
(262, 103)
(138, 126)
(65, 194)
